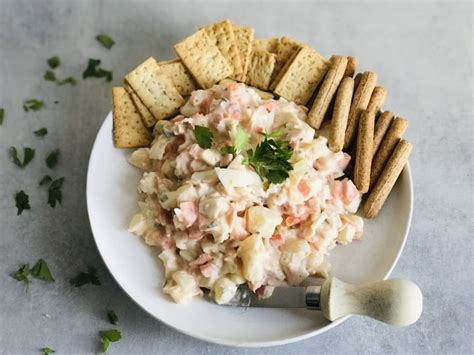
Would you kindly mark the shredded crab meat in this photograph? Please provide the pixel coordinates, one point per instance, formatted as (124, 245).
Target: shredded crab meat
(218, 225)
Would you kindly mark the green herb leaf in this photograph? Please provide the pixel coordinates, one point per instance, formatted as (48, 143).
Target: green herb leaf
(28, 155)
(22, 273)
(240, 140)
(204, 136)
(41, 271)
(108, 336)
(54, 62)
(49, 75)
(274, 134)
(70, 80)
(55, 193)
(22, 202)
(228, 150)
(47, 351)
(45, 180)
(113, 319)
(2, 115)
(32, 104)
(270, 159)
(41, 132)
(93, 70)
(52, 158)
(105, 40)
(89, 277)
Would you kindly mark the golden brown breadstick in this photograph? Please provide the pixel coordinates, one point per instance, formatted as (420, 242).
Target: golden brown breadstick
(387, 179)
(357, 80)
(365, 141)
(361, 99)
(342, 105)
(377, 99)
(326, 92)
(351, 66)
(391, 139)
(381, 127)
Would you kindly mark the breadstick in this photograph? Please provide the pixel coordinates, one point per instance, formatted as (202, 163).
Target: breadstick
(361, 99)
(381, 127)
(387, 179)
(365, 141)
(357, 80)
(351, 66)
(326, 92)
(377, 99)
(393, 136)
(337, 129)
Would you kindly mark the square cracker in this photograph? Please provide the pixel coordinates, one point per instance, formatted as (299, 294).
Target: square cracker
(260, 69)
(129, 131)
(276, 77)
(155, 89)
(266, 44)
(145, 113)
(285, 49)
(203, 59)
(244, 38)
(223, 35)
(264, 95)
(180, 76)
(302, 76)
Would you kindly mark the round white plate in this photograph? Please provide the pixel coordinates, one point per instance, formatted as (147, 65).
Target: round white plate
(112, 199)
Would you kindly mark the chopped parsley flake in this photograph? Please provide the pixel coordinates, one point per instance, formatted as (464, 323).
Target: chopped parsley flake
(49, 76)
(84, 278)
(105, 40)
(2, 115)
(55, 193)
(109, 336)
(47, 351)
(32, 104)
(54, 62)
(41, 132)
(22, 273)
(52, 158)
(70, 80)
(93, 70)
(204, 136)
(45, 180)
(28, 155)
(112, 316)
(41, 271)
(22, 202)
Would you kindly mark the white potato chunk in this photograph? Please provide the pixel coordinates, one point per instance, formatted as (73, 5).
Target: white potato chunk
(262, 221)
(231, 178)
(182, 287)
(252, 253)
(224, 290)
(293, 260)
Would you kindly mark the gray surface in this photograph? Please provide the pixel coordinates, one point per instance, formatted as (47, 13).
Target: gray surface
(423, 54)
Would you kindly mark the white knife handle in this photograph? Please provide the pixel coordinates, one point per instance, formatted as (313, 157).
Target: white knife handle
(397, 302)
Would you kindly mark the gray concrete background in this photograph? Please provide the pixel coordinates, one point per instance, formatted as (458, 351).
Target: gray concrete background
(423, 54)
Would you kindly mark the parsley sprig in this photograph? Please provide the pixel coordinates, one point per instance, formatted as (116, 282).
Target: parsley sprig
(239, 142)
(28, 155)
(93, 70)
(204, 136)
(108, 336)
(270, 159)
(22, 202)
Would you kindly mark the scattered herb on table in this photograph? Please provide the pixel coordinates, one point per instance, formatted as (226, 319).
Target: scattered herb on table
(41, 271)
(105, 40)
(49, 76)
(109, 336)
(32, 105)
(2, 115)
(52, 158)
(89, 277)
(54, 62)
(41, 132)
(93, 70)
(112, 316)
(239, 141)
(45, 180)
(22, 273)
(70, 80)
(204, 136)
(22, 202)
(47, 351)
(270, 159)
(55, 193)
(28, 155)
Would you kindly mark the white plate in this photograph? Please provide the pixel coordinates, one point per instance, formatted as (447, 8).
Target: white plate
(112, 199)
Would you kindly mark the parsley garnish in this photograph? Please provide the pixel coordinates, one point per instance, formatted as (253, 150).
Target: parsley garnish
(41, 132)
(41, 271)
(52, 158)
(270, 158)
(70, 80)
(32, 104)
(108, 336)
(49, 76)
(240, 141)
(22, 202)
(55, 193)
(54, 62)
(204, 136)
(113, 319)
(93, 70)
(28, 155)
(89, 277)
(45, 180)
(22, 273)
(2, 115)
(47, 351)
(105, 40)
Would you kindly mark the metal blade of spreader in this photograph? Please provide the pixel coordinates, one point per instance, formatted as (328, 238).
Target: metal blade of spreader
(282, 297)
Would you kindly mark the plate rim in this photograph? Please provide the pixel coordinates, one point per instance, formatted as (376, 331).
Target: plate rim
(230, 342)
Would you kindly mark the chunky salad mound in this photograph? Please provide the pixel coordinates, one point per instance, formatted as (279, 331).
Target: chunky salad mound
(238, 190)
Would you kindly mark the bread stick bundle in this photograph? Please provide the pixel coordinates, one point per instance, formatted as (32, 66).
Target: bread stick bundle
(342, 105)
(381, 127)
(351, 66)
(377, 99)
(389, 176)
(364, 146)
